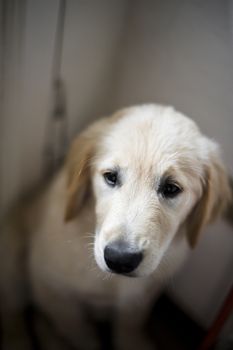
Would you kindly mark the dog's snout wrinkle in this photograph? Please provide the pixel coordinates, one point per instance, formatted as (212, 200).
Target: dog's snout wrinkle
(120, 258)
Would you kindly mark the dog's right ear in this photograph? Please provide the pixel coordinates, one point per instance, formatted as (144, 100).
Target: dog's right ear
(78, 166)
(216, 198)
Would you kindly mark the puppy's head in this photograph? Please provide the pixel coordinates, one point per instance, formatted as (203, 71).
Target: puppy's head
(153, 175)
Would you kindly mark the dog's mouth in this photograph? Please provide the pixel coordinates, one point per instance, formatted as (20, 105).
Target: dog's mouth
(124, 274)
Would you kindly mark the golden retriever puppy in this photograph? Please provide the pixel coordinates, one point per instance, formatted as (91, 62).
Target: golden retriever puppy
(115, 222)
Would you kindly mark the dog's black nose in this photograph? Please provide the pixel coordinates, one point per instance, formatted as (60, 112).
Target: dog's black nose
(120, 258)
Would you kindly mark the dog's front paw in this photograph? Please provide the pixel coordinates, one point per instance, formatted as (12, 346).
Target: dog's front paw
(137, 340)
(14, 333)
(16, 340)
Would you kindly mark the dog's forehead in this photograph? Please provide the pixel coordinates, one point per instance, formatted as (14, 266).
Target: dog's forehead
(150, 136)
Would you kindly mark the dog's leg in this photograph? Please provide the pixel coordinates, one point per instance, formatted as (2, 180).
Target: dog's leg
(130, 332)
(66, 316)
(64, 335)
(47, 336)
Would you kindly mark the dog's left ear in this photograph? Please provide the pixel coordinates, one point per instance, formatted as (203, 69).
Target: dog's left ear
(78, 166)
(215, 197)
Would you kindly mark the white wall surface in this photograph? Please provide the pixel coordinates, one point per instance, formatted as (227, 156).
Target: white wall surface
(92, 31)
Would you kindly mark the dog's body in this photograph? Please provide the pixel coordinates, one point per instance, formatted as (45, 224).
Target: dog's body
(123, 160)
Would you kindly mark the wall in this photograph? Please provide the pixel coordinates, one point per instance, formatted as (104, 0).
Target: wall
(27, 38)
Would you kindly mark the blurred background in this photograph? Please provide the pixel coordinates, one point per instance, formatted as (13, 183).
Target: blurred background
(65, 63)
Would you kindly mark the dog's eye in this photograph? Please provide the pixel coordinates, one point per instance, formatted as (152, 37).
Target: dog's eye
(111, 178)
(170, 190)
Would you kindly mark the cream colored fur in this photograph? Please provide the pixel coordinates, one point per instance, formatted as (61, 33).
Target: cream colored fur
(71, 222)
